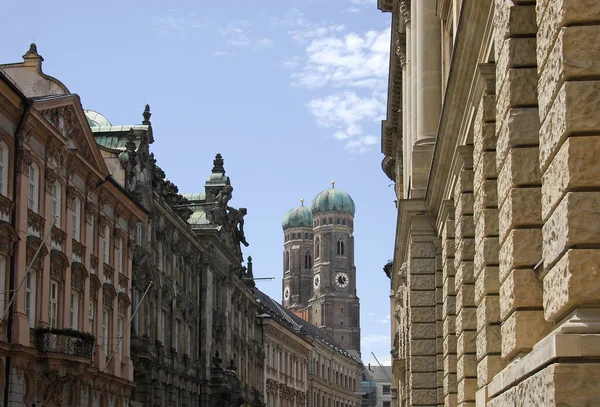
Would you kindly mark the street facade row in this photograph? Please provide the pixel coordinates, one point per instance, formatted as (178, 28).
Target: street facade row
(116, 289)
(491, 140)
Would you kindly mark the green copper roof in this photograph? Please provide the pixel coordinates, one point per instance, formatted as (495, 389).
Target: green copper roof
(333, 199)
(299, 217)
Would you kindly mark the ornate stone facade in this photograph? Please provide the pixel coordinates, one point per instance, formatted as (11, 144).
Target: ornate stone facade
(494, 278)
(62, 335)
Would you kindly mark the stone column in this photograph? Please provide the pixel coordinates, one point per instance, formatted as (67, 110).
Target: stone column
(422, 377)
(519, 180)
(487, 282)
(449, 304)
(466, 320)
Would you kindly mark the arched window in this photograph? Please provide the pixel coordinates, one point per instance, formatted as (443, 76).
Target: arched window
(307, 261)
(3, 168)
(340, 247)
(287, 261)
(76, 219)
(337, 221)
(317, 248)
(33, 192)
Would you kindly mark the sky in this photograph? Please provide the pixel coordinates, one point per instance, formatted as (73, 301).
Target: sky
(290, 92)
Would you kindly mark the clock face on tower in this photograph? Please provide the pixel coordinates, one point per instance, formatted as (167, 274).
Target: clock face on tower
(341, 279)
(317, 281)
(286, 293)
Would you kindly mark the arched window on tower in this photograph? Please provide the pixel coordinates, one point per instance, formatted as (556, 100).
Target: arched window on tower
(317, 248)
(340, 247)
(287, 261)
(307, 261)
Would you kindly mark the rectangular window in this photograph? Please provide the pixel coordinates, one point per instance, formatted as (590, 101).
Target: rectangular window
(105, 331)
(92, 246)
(119, 333)
(30, 298)
(188, 345)
(75, 310)
(3, 169)
(53, 304)
(163, 321)
(3, 296)
(176, 338)
(91, 317)
(77, 219)
(106, 245)
(387, 389)
(138, 233)
(120, 255)
(56, 198)
(32, 201)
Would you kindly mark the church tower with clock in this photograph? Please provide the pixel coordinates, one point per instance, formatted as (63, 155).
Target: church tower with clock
(319, 276)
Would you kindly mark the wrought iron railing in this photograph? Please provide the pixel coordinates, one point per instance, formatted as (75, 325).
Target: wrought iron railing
(66, 342)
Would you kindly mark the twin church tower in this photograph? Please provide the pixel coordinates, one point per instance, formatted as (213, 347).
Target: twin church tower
(319, 276)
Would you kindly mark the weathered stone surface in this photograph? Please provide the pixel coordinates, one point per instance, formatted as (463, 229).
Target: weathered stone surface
(520, 289)
(450, 363)
(522, 208)
(573, 281)
(422, 298)
(519, 52)
(466, 319)
(424, 397)
(521, 331)
(449, 306)
(449, 287)
(520, 169)
(520, 127)
(448, 269)
(487, 368)
(519, 89)
(489, 341)
(465, 251)
(423, 380)
(465, 296)
(486, 197)
(488, 282)
(575, 55)
(575, 221)
(467, 389)
(464, 274)
(512, 20)
(487, 226)
(464, 204)
(486, 168)
(558, 385)
(576, 109)
(466, 343)
(466, 366)
(450, 383)
(488, 311)
(422, 330)
(423, 364)
(422, 347)
(449, 325)
(448, 248)
(450, 344)
(484, 139)
(575, 166)
(522, 248)
(420, 250)
(422, 314)
(422, 282)
(421, 266)
(465, 227)
(486, 254)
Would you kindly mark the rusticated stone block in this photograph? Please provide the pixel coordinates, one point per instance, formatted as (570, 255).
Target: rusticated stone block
(486, 254)
(448, 270)
(573, 281)
(488, 311)
(520, 289)
(520, 169)
(466, 343)
(464, 182)
(449, 325)
(522, 248)
(421, 266)
(465, 251)
(575, 221)
(422, 282)
(466, 320)
(487, 283)
(558, 385)
(421, 250)
(517, 52)
(449, 344)
(450, 400)
(520, 127)
(512, 20)
(489, 341)
(553, 15)
(422, 298)
(465, 296)
(449, 287)
(489, 367)
(423, 364)
(450, 363)
(519, 89)
(466, 366)
(423, 380)
(449, 306)
(575, 55)
(485, 169)
(521, 331)
(521, 208)
(422, 330)
(575, 166)
(576, 109)
(464, 227)
(487, 226)
(464, 204)
(422, 314)
(486, 197)
(448, 230)
(467, 389)
(484, 139)
(464, 274)
(450, 384)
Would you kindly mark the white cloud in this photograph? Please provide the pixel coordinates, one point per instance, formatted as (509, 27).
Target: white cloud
(237, 34)
(291, 62)
(360, 145)
(354, 10)
(265, 43)
(178, 22)
(222, 54)
(370, 341)
(313, 31)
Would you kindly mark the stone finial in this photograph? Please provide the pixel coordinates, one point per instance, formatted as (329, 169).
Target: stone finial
(332, 183)
(146, 115)
(250, 273)
(32, 58)
(218, 164)
(231, 366)
(302, 201)
(217, 360)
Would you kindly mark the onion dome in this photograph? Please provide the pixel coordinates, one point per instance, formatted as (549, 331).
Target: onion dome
(333, 200)
(299, 217)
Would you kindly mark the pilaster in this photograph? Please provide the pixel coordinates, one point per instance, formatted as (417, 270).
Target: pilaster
(449, 305)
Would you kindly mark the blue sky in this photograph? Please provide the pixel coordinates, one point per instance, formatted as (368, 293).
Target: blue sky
(291, 93)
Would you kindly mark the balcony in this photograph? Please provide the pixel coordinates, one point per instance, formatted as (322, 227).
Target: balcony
(65, 342)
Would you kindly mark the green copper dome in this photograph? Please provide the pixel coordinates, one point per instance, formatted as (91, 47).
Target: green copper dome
(333, 199)
(299, 217)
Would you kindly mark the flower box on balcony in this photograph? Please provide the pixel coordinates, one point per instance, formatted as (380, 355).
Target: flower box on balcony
(66, 342)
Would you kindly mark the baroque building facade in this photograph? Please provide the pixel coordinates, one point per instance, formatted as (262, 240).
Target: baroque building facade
(68, 236)
(319, 276)
(491, 140)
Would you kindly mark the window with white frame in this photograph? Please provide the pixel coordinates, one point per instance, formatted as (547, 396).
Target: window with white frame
(77, 219)
(119, 333)
(33, 192)
(138, 233)
(75, 310)
(3, 168)
(106, 244)
(30, 281)
(3, 296)
(53, 304)
(92, 244)
(91, 316)
(119, 254)
(105, 330)
(56, 200)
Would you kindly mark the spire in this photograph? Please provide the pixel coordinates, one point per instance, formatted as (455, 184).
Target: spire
(218, 164)
(147, 115)
(250, 274)
(332, 183)
(32, 58)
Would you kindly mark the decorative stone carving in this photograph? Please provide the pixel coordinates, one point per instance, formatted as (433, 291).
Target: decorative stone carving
(401, 48)
(35, 221)
(71, 194)
(51, 177)
(404, 9)
(6, 205)
(25, 161)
